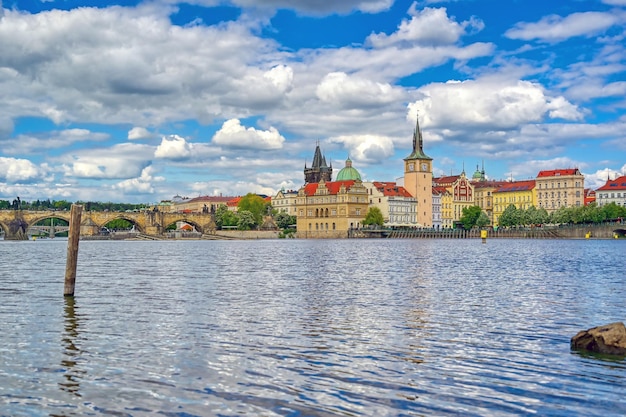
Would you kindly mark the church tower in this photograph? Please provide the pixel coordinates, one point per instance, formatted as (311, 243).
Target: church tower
(319, 170)
(418, 178)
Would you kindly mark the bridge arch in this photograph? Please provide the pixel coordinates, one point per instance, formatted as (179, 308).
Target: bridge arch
(51, 230)
(122, 216)
(620, 233)
(195, 224)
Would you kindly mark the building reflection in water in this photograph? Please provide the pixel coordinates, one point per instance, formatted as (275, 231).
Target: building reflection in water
(71, 350)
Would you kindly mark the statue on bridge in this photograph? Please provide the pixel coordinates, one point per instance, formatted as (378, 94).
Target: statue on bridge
(17, 204)
(17, 229)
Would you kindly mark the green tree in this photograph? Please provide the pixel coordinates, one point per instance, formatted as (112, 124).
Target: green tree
(469, 216)
(225, 217)
(246, 220)
(284, 220)
(483, 220)
(509, 216)
(612, 211)
(255, 204)
(562, 215)
(374, 217)
(119, 224)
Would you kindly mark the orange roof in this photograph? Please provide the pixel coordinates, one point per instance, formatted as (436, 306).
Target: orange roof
(391, 189)
(332, 186)
(446, 180)
(516, 186)
(233, 202)
(558, 172)
(440, 190)
(616, 184)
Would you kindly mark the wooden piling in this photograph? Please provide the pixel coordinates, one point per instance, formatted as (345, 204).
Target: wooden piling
(72, 250)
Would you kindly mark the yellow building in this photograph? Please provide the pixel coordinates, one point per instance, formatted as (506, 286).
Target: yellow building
(330, 209)
(445, 198)
(285, 202)
(203, 204)
(521, 194)
(418, 179)
(560, 188)
(483, 196)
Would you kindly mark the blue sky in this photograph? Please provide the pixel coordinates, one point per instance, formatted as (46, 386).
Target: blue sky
(140, 101)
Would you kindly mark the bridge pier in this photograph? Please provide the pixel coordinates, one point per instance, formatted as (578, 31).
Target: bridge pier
(17, 227)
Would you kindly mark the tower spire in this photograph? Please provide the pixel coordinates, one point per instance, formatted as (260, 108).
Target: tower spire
(418, 143)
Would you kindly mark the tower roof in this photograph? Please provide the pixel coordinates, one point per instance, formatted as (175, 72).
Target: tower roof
(348, 172)
(418, 144)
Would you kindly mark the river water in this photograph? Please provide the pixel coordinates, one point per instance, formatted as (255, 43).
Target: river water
(310, 328)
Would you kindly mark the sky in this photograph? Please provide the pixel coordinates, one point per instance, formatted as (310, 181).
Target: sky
(140, 101)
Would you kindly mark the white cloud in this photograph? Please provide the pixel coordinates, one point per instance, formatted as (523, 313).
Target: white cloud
(174, 147)
(369, 149)
(56, 139)
(598, 178)
(319, 8)
(139, 133)
(488, 103)
(426, 27)
(555, 28)
(342, 90)
(125, 160)
(530, 168)
(19, 170)
(141, 185)
(615, 2)
(232, 134)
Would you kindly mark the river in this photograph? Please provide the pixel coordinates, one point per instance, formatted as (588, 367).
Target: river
(310, 328)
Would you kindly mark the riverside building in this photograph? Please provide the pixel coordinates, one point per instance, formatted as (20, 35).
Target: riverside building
(560, 188)
(614, 191)
(418, 179)
(329, 209)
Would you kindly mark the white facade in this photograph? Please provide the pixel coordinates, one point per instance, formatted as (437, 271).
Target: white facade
(614, 191)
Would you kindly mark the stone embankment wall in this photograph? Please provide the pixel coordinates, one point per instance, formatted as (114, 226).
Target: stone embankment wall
(244, 234)
(601, 231)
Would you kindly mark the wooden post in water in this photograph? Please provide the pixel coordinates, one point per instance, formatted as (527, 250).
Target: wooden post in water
(72, 250)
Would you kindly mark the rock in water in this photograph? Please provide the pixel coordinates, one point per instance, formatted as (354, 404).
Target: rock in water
(608, 339)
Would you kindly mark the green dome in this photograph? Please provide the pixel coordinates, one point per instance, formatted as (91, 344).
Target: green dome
(348, 173)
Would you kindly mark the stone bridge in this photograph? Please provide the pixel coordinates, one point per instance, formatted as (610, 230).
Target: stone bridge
(16, 223)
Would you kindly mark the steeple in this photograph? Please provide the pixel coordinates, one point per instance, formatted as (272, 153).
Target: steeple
(319, 170)
(418, 143)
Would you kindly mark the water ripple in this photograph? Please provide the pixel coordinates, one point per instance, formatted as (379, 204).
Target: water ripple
(309, 328)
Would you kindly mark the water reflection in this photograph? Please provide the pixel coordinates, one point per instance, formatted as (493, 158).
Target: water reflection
(71, 350)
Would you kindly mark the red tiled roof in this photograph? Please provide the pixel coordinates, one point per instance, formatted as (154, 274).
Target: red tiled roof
(210, 199)
(391, 189)
(516, 186)
(446, 180)
(440, 190)
(616, 184)
(558, 172)
(332, 186)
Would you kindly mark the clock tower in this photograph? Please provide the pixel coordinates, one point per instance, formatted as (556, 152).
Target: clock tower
(418, 178)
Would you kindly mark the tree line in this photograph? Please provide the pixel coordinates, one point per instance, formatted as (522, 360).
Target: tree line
(250, 214)
(512, 216)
